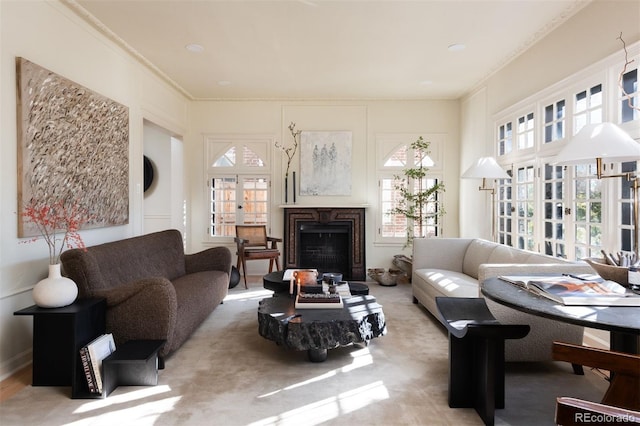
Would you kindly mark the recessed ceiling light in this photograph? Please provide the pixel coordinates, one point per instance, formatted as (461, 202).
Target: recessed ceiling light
(456, 47)
(224, 83)
(195, 48)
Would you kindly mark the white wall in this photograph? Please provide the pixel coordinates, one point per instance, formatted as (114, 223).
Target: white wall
(364, 119)
(588, 37)
(163, 201)
(50, 35)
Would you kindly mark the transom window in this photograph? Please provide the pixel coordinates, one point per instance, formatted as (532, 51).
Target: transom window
(526, 131)
(587, 107)
(554, 121)
(505, 134)
(628, 102)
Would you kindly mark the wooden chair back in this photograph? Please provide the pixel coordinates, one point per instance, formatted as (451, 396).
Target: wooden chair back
(254, 235)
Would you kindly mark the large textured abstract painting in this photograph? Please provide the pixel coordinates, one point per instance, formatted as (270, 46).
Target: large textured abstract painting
(73, 148)
(325, 163)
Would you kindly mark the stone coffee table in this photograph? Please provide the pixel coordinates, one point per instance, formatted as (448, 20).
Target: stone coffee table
(318, 330)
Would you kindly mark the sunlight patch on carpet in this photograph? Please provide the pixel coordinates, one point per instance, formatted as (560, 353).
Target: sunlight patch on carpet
(329, 408)
(123, 398)
(249, 295)
(361, 358)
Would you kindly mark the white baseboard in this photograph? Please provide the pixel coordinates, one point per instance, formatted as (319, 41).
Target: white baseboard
(16, 363)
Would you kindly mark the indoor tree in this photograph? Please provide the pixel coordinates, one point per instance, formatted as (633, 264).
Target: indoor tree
(417, 198)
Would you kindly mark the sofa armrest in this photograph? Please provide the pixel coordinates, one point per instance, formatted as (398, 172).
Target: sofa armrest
(211, 259)
(142, 310)
(491, 270)
(441, 253)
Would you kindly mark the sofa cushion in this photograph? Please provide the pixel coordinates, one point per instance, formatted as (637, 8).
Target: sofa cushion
(449, 283)
(478, 252)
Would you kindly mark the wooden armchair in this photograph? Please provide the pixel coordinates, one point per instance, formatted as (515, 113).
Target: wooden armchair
(254, 244)
(624, 383)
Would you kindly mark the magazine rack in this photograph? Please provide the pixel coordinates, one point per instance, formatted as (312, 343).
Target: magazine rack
(134, 363)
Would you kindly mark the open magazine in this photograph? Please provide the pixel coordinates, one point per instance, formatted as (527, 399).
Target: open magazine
(571, 290)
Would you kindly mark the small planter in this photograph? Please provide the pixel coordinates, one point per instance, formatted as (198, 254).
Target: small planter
(387, 278)
(405, 264)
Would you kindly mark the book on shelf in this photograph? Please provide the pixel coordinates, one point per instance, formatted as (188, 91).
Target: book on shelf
(576, 290)
(88, 369)
(93, 354)
(318, 301)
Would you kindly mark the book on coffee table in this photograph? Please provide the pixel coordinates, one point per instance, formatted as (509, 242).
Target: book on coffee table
(574, 290)
(318, 301)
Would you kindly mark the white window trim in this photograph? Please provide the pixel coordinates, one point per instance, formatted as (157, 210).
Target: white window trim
(386, 145)
(605, 72)
(214, 145)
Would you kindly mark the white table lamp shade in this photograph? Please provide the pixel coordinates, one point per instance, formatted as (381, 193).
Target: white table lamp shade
(603, 140)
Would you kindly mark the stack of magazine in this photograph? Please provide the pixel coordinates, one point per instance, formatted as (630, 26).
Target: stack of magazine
(322, 299)
(576, 290)
(91, 356)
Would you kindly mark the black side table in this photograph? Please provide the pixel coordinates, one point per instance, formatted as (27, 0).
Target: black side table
(58, 335)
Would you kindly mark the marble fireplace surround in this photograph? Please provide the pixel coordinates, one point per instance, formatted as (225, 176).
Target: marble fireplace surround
(296, 217)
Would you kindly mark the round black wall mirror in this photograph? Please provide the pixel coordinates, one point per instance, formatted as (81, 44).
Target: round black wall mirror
(148, 173)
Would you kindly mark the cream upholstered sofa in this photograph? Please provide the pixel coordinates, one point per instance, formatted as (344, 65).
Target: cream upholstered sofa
(454, 267)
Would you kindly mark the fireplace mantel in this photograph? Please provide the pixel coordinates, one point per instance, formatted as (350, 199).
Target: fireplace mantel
(296, 216)
(323, 206)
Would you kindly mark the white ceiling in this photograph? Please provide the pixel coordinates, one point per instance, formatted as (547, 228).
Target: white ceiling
(316, 49)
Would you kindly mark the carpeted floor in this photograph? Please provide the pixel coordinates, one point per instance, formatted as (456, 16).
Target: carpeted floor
(226, 374)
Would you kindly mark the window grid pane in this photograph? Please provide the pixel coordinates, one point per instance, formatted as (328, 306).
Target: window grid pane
(393, 225)
(429, 226)
(223, 206)
(504, 210)
(255, 191)
(587, 220)
(629, 102)
(250, 158)
(626, 207)
(505, 139)
(554, 235)
(554, 121)
(525, 131)
(525, 207)
(588, 107)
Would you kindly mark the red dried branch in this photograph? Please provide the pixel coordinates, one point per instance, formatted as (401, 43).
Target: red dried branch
(59, 225)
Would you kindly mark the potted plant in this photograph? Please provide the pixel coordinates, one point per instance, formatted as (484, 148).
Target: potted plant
(418, 199)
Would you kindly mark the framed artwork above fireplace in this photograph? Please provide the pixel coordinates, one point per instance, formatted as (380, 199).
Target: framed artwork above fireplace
(325, 163)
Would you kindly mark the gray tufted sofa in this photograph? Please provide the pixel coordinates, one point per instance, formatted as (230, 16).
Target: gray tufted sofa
(454, 267)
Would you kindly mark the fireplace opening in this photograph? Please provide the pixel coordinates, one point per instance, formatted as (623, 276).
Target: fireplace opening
(329, 239)
(325, 247)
